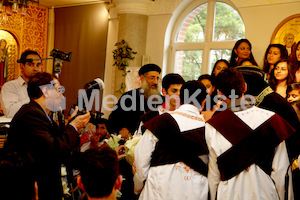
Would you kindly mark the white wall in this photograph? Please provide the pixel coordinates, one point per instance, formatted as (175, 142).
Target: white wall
(157, 26)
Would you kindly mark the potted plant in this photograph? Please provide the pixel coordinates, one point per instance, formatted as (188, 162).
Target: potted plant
(121, 55)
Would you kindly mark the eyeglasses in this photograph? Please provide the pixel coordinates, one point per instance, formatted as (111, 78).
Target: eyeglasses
(152, 78)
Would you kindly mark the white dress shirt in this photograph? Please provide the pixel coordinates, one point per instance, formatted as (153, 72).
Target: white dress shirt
(13, 96)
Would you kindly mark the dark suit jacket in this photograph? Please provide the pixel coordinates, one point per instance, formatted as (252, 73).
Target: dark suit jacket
(137, 106)
(32, 131)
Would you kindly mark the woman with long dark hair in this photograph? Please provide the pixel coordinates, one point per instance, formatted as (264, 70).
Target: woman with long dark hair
(274, 53)
(281, 76)
(219, 66)
(295, 60)
(241, 50)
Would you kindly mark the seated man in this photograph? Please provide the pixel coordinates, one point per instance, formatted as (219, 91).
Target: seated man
(247, 152)
(170, 158)
(101, 130)
(14, 93)
(99, 173)
(94, 134)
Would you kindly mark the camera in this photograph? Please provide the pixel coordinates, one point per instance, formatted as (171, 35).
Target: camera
(56, 54)
(81, 112)
(96, 84)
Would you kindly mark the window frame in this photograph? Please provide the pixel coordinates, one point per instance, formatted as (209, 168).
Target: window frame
(208, 44)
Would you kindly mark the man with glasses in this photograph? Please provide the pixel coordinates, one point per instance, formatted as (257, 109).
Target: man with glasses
(14, 93)
(32, 131)
(125, 119)
(171, 85)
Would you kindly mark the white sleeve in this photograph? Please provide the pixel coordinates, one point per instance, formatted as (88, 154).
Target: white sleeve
(139, 132)
(10, 101)
(280, 167)
(142, 157)
(213, 171)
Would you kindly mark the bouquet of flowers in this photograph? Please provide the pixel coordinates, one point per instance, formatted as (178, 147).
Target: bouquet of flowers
(113, 141)
(130, 146)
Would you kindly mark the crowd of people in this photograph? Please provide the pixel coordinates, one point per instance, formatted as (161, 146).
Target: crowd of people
(231, 134)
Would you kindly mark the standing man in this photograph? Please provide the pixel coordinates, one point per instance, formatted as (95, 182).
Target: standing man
(14, 93)
(170, 158)
(171, 85)
(247, 152)
(134, 103)
(32, 131)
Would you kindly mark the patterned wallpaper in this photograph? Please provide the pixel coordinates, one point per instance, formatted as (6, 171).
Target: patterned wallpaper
(34, 30)
(29, 32)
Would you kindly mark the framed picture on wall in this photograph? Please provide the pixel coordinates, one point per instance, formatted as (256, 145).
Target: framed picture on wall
(287, 32)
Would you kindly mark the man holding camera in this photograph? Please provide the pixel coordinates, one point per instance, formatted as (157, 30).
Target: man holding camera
(33, 131)
(14, 93)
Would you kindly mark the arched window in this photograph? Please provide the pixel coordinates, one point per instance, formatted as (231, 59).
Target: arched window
(205, 32)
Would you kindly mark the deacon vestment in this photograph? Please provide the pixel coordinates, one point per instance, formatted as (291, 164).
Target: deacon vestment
(150, 115)
(170, 158)
(247, 155)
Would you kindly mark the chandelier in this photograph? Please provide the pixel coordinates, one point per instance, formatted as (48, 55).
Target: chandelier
(15, 6)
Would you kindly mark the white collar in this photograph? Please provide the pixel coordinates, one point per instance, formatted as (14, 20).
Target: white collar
(189, 108)
(21, 81)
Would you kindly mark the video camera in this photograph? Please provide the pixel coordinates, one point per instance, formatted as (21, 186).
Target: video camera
(59, 57)
(56, 54)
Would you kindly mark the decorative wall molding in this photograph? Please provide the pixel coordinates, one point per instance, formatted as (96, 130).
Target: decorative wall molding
(142, 7)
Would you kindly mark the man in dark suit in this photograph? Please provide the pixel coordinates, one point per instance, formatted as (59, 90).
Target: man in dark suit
(33, 131)
(125, 119)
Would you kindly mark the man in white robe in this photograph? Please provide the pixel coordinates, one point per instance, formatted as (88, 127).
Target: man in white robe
(252, 166)
(170, 158)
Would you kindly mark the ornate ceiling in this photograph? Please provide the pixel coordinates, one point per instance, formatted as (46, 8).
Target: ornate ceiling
(238, 3)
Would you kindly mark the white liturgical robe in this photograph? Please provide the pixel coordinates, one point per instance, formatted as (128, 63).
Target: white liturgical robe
(253, 182)
(169, 181)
